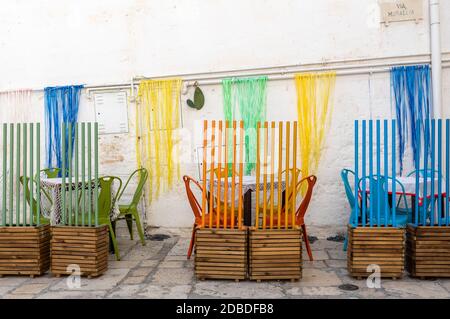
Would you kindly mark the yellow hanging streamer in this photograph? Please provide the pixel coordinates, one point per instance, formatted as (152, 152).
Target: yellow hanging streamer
(314, 107)
(157, 139)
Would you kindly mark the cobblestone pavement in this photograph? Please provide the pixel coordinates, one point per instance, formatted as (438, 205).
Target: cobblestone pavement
(160, 270)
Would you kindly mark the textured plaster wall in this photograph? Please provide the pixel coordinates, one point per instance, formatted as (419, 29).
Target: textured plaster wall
(55, 42)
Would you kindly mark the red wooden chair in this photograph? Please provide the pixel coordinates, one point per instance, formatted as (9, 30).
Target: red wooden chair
(301, 211)
(197, 210)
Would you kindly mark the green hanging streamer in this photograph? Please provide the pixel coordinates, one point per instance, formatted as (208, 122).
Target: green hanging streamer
(245, 99)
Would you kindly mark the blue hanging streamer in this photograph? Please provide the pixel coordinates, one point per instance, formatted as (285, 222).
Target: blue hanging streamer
(411, 93)
(61, 106)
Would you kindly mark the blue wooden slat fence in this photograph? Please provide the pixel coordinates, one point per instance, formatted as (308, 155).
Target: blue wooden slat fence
(381, 196)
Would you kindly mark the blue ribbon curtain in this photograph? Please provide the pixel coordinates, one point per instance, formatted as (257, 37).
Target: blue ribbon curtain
(411, 95)
(61, 106)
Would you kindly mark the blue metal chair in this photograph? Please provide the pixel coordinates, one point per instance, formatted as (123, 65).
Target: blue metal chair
(350, 197)
(379, 188)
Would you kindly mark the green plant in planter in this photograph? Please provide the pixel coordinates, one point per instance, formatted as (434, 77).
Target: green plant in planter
(199, 99)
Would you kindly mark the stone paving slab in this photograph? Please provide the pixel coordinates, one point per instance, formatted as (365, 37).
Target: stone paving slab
(125, 291)
(165, 291)
(5, 289)
(160, 270)
(31, 288)
(243, 289)
(73, 295)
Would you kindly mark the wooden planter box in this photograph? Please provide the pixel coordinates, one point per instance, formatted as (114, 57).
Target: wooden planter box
(24, 250)
(382, 246)
(428, 251)
(221, 254)
(275, 254)
(86, 247)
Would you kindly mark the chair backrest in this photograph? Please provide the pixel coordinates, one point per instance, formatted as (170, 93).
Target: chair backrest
(378, 187)
(25, 181)
(399, 189)
(195, 205)
(143, 175)
(105, 200)
(51, 172)
(303, 208)
(223, 173)
(290, 171)
(422, 173)
(348, 189)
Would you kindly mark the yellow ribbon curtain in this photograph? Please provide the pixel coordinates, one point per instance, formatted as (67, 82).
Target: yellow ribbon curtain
(314, 106)
(157, 123)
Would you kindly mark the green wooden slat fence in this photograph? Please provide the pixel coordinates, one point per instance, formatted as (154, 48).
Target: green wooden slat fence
(20, 158)
(79, 203)
(20, 180)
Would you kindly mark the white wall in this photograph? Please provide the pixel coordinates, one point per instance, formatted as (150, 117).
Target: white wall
(59, 42)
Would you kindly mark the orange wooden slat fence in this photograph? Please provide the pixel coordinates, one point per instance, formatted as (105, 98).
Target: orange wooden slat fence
(218, 201)
(258, 168)
(223, 170)
(219, 174)
(272, 174)
(280, 161)
(275, 157)
(266, 137)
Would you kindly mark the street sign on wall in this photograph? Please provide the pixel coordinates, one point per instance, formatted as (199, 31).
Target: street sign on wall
(401, 10)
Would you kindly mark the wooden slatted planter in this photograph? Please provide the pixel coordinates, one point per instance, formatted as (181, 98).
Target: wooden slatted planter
(221, 254)
(24, 250)
(428, 251)
(275, 254)
(382, 246)
(84, 246)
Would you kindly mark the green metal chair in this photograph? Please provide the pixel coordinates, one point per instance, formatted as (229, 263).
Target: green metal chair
(50, 172)
(130, 211)
(105, 204)
(25, 181)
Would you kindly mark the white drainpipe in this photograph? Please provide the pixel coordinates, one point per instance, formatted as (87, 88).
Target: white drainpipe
(436, 57)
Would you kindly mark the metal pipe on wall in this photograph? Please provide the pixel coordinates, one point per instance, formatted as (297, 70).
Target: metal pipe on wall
(277, 72)
(436, 56)
(345, 63)
(290, 75)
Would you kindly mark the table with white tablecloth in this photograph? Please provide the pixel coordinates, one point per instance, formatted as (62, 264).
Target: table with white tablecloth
(411, 189)
(415, 189)
(249, 185)
(51, 201)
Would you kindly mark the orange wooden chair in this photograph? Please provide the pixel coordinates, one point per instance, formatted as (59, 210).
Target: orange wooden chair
(290, 173)
(197, 210)
(223, 173)
(301, 211)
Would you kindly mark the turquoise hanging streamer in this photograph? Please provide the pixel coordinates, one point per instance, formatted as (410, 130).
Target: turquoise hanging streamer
(61, 106)
(411, 94)
(245, 99)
